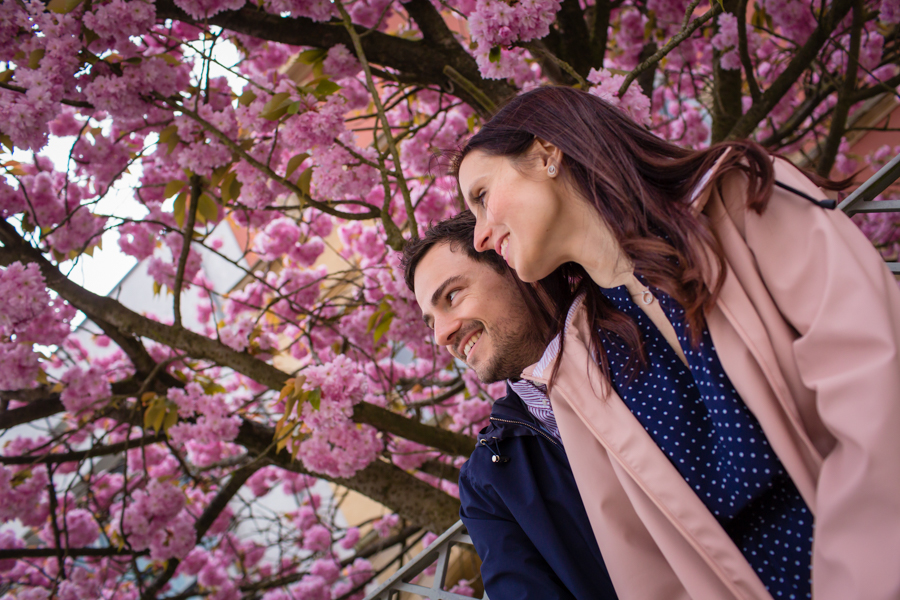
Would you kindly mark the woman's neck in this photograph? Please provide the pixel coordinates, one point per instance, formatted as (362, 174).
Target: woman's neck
(594, 247)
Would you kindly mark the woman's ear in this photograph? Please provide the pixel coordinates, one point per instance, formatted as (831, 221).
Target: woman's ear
(546, 153)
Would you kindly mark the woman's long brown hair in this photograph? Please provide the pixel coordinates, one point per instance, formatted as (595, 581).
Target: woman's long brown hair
(641, 186)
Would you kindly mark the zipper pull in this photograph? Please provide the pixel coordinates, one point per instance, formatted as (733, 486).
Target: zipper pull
(496, 458)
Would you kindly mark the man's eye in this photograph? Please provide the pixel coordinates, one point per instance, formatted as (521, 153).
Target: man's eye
(452, 295)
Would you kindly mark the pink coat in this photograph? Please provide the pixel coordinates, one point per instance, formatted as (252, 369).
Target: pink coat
(807, 326)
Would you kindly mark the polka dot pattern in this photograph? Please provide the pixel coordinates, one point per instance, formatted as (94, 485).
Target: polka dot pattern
(699, 421)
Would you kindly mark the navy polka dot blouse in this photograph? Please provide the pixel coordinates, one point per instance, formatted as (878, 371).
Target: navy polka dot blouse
(700, 422)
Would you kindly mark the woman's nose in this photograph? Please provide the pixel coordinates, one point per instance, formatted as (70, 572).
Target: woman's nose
(482, 239)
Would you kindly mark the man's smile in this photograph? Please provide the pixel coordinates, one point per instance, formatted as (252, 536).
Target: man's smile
(467, 348)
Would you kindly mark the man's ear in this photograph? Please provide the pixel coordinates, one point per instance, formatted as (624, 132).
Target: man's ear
(546, 153)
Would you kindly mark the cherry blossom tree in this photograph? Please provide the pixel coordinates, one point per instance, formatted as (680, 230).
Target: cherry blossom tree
(136, 460)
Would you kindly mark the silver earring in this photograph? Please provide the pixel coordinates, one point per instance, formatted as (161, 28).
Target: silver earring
(551, 170)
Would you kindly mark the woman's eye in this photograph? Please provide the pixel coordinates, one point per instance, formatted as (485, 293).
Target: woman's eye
(479, 199)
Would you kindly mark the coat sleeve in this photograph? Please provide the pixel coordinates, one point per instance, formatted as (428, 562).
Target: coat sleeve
(512, 568)
(831, 285)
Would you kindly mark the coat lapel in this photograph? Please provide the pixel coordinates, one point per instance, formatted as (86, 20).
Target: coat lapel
(607, 419)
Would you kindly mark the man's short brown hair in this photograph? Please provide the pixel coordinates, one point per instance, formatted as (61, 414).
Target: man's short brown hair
(459, 233)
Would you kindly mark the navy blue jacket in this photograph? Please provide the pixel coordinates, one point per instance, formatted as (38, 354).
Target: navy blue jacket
(525, 515)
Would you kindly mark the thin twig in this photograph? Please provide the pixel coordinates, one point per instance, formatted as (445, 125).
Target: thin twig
(372, 213)
(385, 125)
(687, 30)
(479, 96)
(744, 52)
(536, 49)
(186, 241)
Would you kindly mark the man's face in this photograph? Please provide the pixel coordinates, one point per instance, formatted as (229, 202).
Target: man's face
(477, 313)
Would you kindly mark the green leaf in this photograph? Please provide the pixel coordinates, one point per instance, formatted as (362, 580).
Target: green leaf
(207, 208)
(157, 288)
(169, 136)
(494, 54)
(34, 59)
(63, 6)
(173, 187)
(213, 388)
(247, 98)
(325, 88)
(276, 106)
(315, 398)
(171, 418)
(7, 141)
(230, 188)
(218, 174)
(153, 416)
(6, 75)
(304, 180)
(295, 162)
(311, 57)
(179, 208)
(90, 36)
(383, 326)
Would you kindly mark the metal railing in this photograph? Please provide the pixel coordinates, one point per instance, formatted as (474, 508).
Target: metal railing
(439, 551)
(861, 200)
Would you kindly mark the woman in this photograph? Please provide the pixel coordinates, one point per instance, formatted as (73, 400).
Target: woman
(726, 380)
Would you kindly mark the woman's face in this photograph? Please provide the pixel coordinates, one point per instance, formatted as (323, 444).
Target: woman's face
(517, 210)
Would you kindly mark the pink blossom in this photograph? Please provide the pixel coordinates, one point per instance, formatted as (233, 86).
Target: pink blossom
(384, 525)
(889, 12)
(633, 102)
(311, 587)
(327, 569)
(350, 538)
(9, 541)
(84, 389)
(339, 62)
(201, 9)
(317, 538)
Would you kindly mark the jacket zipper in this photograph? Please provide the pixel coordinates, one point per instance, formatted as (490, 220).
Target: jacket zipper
(529, 426)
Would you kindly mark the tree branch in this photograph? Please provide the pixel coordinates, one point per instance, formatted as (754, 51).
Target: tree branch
(744, 52)
(801, 61)
(688, 28)
(418, 502)
(575, 48)
(198, 346)
(395, 240)
(93, 452)
(236, 148)
(210, 514)
(20, 553)
(419, 61)
(187, 238)
(21, 90)
(845, 96)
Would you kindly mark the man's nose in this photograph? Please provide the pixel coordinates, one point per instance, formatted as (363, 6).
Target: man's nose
(444, 330)
(483, 232)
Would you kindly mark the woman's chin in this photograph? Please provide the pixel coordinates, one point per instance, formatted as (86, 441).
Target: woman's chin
(532, 273)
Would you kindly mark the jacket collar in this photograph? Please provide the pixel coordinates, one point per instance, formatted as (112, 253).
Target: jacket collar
(509, 408)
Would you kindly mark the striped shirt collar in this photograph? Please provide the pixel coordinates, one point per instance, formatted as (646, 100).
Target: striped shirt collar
(534, 397)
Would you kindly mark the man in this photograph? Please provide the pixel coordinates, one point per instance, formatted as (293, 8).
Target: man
(519, 499)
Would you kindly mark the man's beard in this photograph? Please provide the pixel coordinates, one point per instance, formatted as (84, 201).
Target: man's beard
(514, 349)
